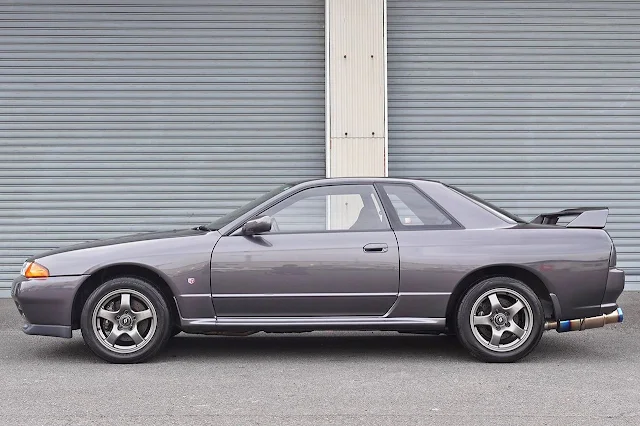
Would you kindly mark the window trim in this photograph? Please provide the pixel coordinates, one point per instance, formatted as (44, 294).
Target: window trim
(237, 230)
(394, 218)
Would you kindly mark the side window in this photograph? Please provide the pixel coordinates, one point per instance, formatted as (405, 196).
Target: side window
(329, 208)
(413, 208)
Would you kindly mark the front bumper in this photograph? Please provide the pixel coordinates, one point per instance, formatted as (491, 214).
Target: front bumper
(48, 330)
(46, 304)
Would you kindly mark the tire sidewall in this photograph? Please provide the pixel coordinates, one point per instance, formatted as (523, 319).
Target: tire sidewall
(464, 327)
(163, 321)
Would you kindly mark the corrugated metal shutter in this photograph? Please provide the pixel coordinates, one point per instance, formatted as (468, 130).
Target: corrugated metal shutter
(140, 116)
(534, 105)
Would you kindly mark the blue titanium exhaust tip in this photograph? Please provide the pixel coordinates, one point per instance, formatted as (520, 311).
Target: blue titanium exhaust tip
(564, 326)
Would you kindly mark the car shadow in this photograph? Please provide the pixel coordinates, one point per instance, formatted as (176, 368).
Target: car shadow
(365, 345)
(265, 346)
(313, 345)
(322, 347)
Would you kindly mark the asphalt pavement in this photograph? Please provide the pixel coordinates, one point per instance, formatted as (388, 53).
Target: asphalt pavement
(329, 378)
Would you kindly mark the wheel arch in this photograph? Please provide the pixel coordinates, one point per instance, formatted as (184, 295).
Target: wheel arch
(522, 273)
(105, 273)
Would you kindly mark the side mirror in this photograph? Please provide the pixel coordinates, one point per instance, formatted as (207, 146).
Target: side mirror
(257, 226)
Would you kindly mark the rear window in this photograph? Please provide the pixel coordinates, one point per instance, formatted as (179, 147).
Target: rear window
(487, 205)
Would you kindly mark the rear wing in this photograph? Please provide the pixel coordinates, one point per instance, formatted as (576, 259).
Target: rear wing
(587, 217)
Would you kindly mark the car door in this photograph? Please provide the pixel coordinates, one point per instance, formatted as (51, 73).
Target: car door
(330, 252)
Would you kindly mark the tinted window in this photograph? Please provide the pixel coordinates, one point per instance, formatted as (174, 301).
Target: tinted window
(413, 208)
(329, 208)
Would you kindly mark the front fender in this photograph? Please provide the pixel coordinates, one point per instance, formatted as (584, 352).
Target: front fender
(184, 263)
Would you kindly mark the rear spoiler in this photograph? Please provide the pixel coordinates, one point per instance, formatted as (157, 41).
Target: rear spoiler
(587, 217)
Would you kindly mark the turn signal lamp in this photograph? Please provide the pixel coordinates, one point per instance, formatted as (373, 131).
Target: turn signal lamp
(34, 270)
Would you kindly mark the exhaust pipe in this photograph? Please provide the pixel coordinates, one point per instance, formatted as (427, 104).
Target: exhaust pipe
(585, 323)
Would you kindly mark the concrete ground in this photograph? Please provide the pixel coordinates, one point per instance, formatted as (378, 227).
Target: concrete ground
(590, 377)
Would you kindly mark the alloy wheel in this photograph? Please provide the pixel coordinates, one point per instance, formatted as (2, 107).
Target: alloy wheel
(124, 321)
(501, 319)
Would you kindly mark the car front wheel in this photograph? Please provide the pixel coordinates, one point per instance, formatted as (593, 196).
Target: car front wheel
(500, 320)
(126, 320)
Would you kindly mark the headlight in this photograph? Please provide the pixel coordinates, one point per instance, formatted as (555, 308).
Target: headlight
(34, 270)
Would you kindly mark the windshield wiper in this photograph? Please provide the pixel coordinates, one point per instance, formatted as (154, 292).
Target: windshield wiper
(202, 228)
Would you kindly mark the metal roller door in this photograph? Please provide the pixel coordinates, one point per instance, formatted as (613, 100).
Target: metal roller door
(534, 105)
(140, 116)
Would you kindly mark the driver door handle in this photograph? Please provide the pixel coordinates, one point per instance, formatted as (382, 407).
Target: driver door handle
(375, 248)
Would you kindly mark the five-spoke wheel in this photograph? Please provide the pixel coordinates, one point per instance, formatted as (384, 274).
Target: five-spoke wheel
(500, 319)
(126, 320)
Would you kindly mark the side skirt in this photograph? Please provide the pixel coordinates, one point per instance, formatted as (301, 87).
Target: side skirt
(284, 324)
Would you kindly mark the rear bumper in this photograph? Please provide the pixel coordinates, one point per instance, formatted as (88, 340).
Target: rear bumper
(46, 304)
(615, 286)
(578, 304)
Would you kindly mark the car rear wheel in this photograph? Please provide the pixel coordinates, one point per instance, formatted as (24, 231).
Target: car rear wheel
(126, 320)
(500, 320)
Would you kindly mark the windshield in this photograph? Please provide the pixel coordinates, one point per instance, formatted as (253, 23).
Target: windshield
(230, 217)
(488, 205)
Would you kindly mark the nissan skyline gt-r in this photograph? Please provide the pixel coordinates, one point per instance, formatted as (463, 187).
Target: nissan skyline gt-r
(404, 255)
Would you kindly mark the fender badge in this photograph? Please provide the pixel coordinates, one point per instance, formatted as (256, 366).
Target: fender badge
(191, 280)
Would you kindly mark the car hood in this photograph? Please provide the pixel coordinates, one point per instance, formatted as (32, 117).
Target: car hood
(147, 236)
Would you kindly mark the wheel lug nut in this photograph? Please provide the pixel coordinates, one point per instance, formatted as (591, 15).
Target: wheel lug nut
(508, 324)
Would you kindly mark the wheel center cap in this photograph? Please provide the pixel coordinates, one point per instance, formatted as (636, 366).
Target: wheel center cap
(126, 320)
(499, 319)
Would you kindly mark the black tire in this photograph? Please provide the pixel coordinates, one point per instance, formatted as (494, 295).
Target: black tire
(480, 339)
(96, 329)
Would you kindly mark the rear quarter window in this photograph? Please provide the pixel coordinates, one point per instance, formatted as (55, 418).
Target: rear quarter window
(414, 209)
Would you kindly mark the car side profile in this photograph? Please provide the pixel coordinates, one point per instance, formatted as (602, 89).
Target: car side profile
(403, 255)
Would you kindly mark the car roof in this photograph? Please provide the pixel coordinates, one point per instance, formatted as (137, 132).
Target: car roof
(355, 180)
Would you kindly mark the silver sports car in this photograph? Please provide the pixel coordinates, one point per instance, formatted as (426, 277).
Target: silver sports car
(404, 255)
